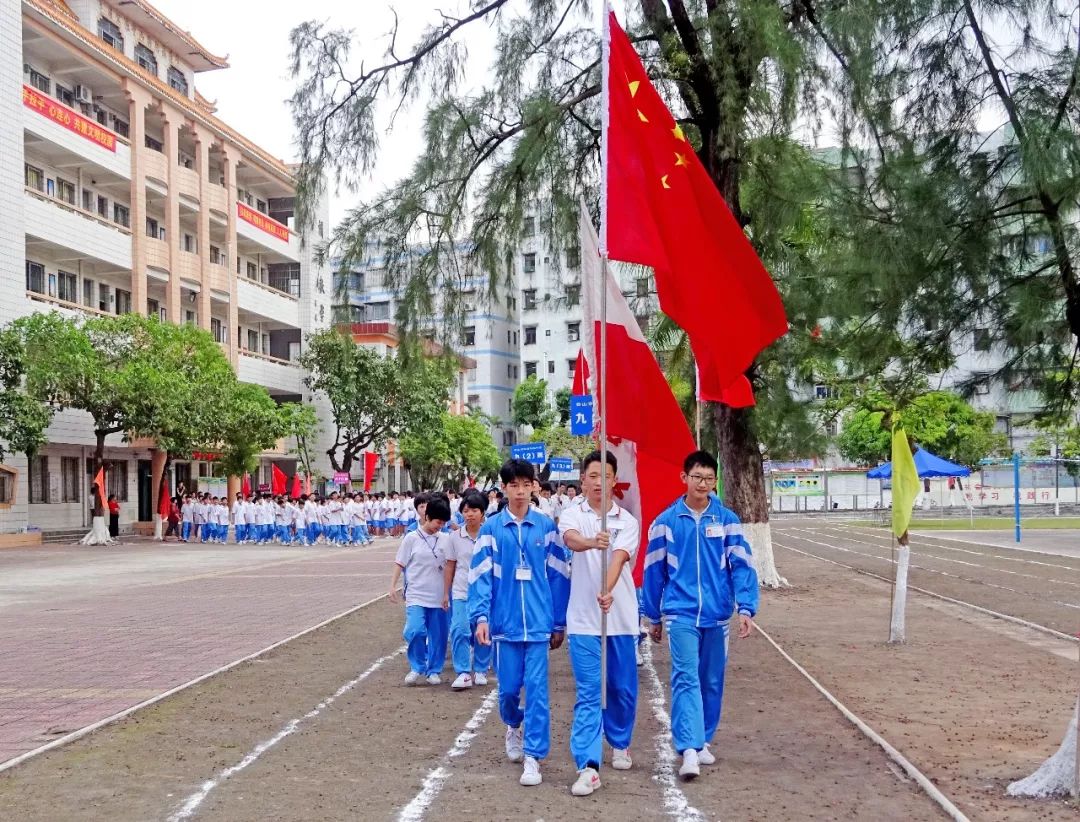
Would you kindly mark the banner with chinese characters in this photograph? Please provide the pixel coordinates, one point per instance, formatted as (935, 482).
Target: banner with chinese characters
(261, 221)
(61, 114)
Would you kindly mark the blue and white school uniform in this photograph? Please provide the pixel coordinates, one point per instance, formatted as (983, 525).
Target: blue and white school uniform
(583, 634)
(200, 521)
(264, 516)
(468, 654)
(239, 517)
(223, 523)
(187, 520)
(698, 573)
(519, 584)
(423, 557)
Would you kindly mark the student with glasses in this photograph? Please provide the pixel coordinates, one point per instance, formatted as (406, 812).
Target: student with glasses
(698, 575)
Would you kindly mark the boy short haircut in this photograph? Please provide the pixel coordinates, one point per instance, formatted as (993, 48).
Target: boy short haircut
(421, 499)
(546, 486)
(515, 470)
(438, 508)
(476, 500)
(700, 458)
(594, 456)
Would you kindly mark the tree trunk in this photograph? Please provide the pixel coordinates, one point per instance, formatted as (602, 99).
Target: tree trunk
(744, 487)
(1057, 775)
(99, 528)
(898, 622)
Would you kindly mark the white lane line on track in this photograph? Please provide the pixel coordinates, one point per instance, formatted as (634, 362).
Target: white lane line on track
(676, 805)
(101, 723)
(1007, 617)
(923, 538)
(192, 803)
(924, 782)
(924, 553)
(436, 777)
(930, 570)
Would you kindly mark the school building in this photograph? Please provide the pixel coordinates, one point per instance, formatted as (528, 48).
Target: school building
(121, 191)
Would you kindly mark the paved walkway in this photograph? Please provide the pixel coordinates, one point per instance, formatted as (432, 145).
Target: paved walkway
(86, 632)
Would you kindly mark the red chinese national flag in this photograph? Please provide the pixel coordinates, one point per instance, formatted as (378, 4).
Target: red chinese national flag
(664, 211)
(277, 481)
(581, 375)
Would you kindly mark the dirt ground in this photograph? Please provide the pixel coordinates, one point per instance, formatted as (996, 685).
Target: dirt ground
(970, 704)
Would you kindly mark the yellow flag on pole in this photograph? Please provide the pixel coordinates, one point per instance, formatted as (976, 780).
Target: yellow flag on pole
(905, 482)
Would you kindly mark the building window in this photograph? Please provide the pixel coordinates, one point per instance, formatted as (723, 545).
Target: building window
(982, 387)
(509, 438)
(151, 227)
(530, 263)
(67, 287)
(219, 330)
(177, 80)
(88, 293)
(116, 480)
(38, 470)
(509, 371)
(123, 301)
(473, 401)
(35, 177)
(121, 215)
(511, 303)
(824, 392)
(573, 295)
(528, 228)
(87, 200)
(530, 335)
(573, 257)
(190, 244)
(530, 369)
(65, 191)
(152, 143)
(110, 33)
(529, 297)
(551, 366)
(40, 81)
(252, 271)
(65, 95)
(468, 336)
(35, 277)
(103, 207)
(7, 485)
(643, 286)
(70, 487)
(145, 58)
(982, 339)
(573, 332)
(378, 311)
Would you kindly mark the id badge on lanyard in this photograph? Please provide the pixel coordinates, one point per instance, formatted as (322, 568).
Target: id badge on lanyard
(714, 531)
(523, 573)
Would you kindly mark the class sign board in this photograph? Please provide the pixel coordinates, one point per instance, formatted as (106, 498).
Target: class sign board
(799, 485)
(534, 452)
(71, 120)
(562, 465)
(581, 415)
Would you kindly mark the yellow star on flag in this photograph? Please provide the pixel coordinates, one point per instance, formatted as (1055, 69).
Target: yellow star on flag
(677, 131)
(680, 159)
(634, 87)
(642, 117)
(664, 182)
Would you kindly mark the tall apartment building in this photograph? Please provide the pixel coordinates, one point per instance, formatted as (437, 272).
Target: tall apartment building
(122, 191)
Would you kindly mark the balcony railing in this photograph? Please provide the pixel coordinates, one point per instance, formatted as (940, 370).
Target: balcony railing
(74, 209)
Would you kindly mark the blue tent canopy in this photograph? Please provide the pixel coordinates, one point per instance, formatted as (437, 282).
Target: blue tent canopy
(927, 464)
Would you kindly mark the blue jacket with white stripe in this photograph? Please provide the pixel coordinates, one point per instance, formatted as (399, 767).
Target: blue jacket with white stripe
(520, 610)
(698, 571)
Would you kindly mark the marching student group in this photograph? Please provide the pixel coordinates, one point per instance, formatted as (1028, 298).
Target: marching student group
(505, 578)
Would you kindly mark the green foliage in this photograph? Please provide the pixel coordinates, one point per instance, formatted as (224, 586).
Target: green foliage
(561, 443)
(23, 419)
(373, 398)
(1062, 435)
(531, 406)
(449, 453)
(940, 421)
(301, 426)
(562, 405)
(249, 423)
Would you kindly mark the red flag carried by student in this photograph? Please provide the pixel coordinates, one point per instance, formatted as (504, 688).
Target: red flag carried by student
(581, 375)
(99, 484)
(245, 486)
(277, 481)
(296, 489)
(646, 429)
(165, 502)
(665, 212)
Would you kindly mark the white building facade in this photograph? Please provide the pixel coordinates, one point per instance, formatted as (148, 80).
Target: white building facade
(123, 192)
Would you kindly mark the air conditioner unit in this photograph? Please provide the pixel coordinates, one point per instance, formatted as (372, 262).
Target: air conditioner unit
(83, 94)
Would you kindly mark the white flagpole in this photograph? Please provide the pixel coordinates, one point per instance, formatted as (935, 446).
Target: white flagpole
(605, 72)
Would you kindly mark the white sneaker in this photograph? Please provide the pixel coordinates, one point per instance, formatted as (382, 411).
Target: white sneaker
(412, 677)
(588, 781)
(434, 679)
(620, 759)
(690, 768)
(515, 743)
(706, 757)
(462, 682)
(479, 679)
(640, 658)
(530, 774)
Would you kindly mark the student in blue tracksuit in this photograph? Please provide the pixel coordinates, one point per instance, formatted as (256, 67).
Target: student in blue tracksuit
(471, 660)
(580, 526)
(518, 590)
(698, 574)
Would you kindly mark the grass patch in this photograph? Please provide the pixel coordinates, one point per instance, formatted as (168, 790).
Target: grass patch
(981, 524)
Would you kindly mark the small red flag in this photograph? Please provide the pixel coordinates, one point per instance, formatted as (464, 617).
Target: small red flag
(296, 489)
(665, 212)
(581, 375)
(370, 459)
(164, 503)
(99, 483)
(277, 481)
(245, 486)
